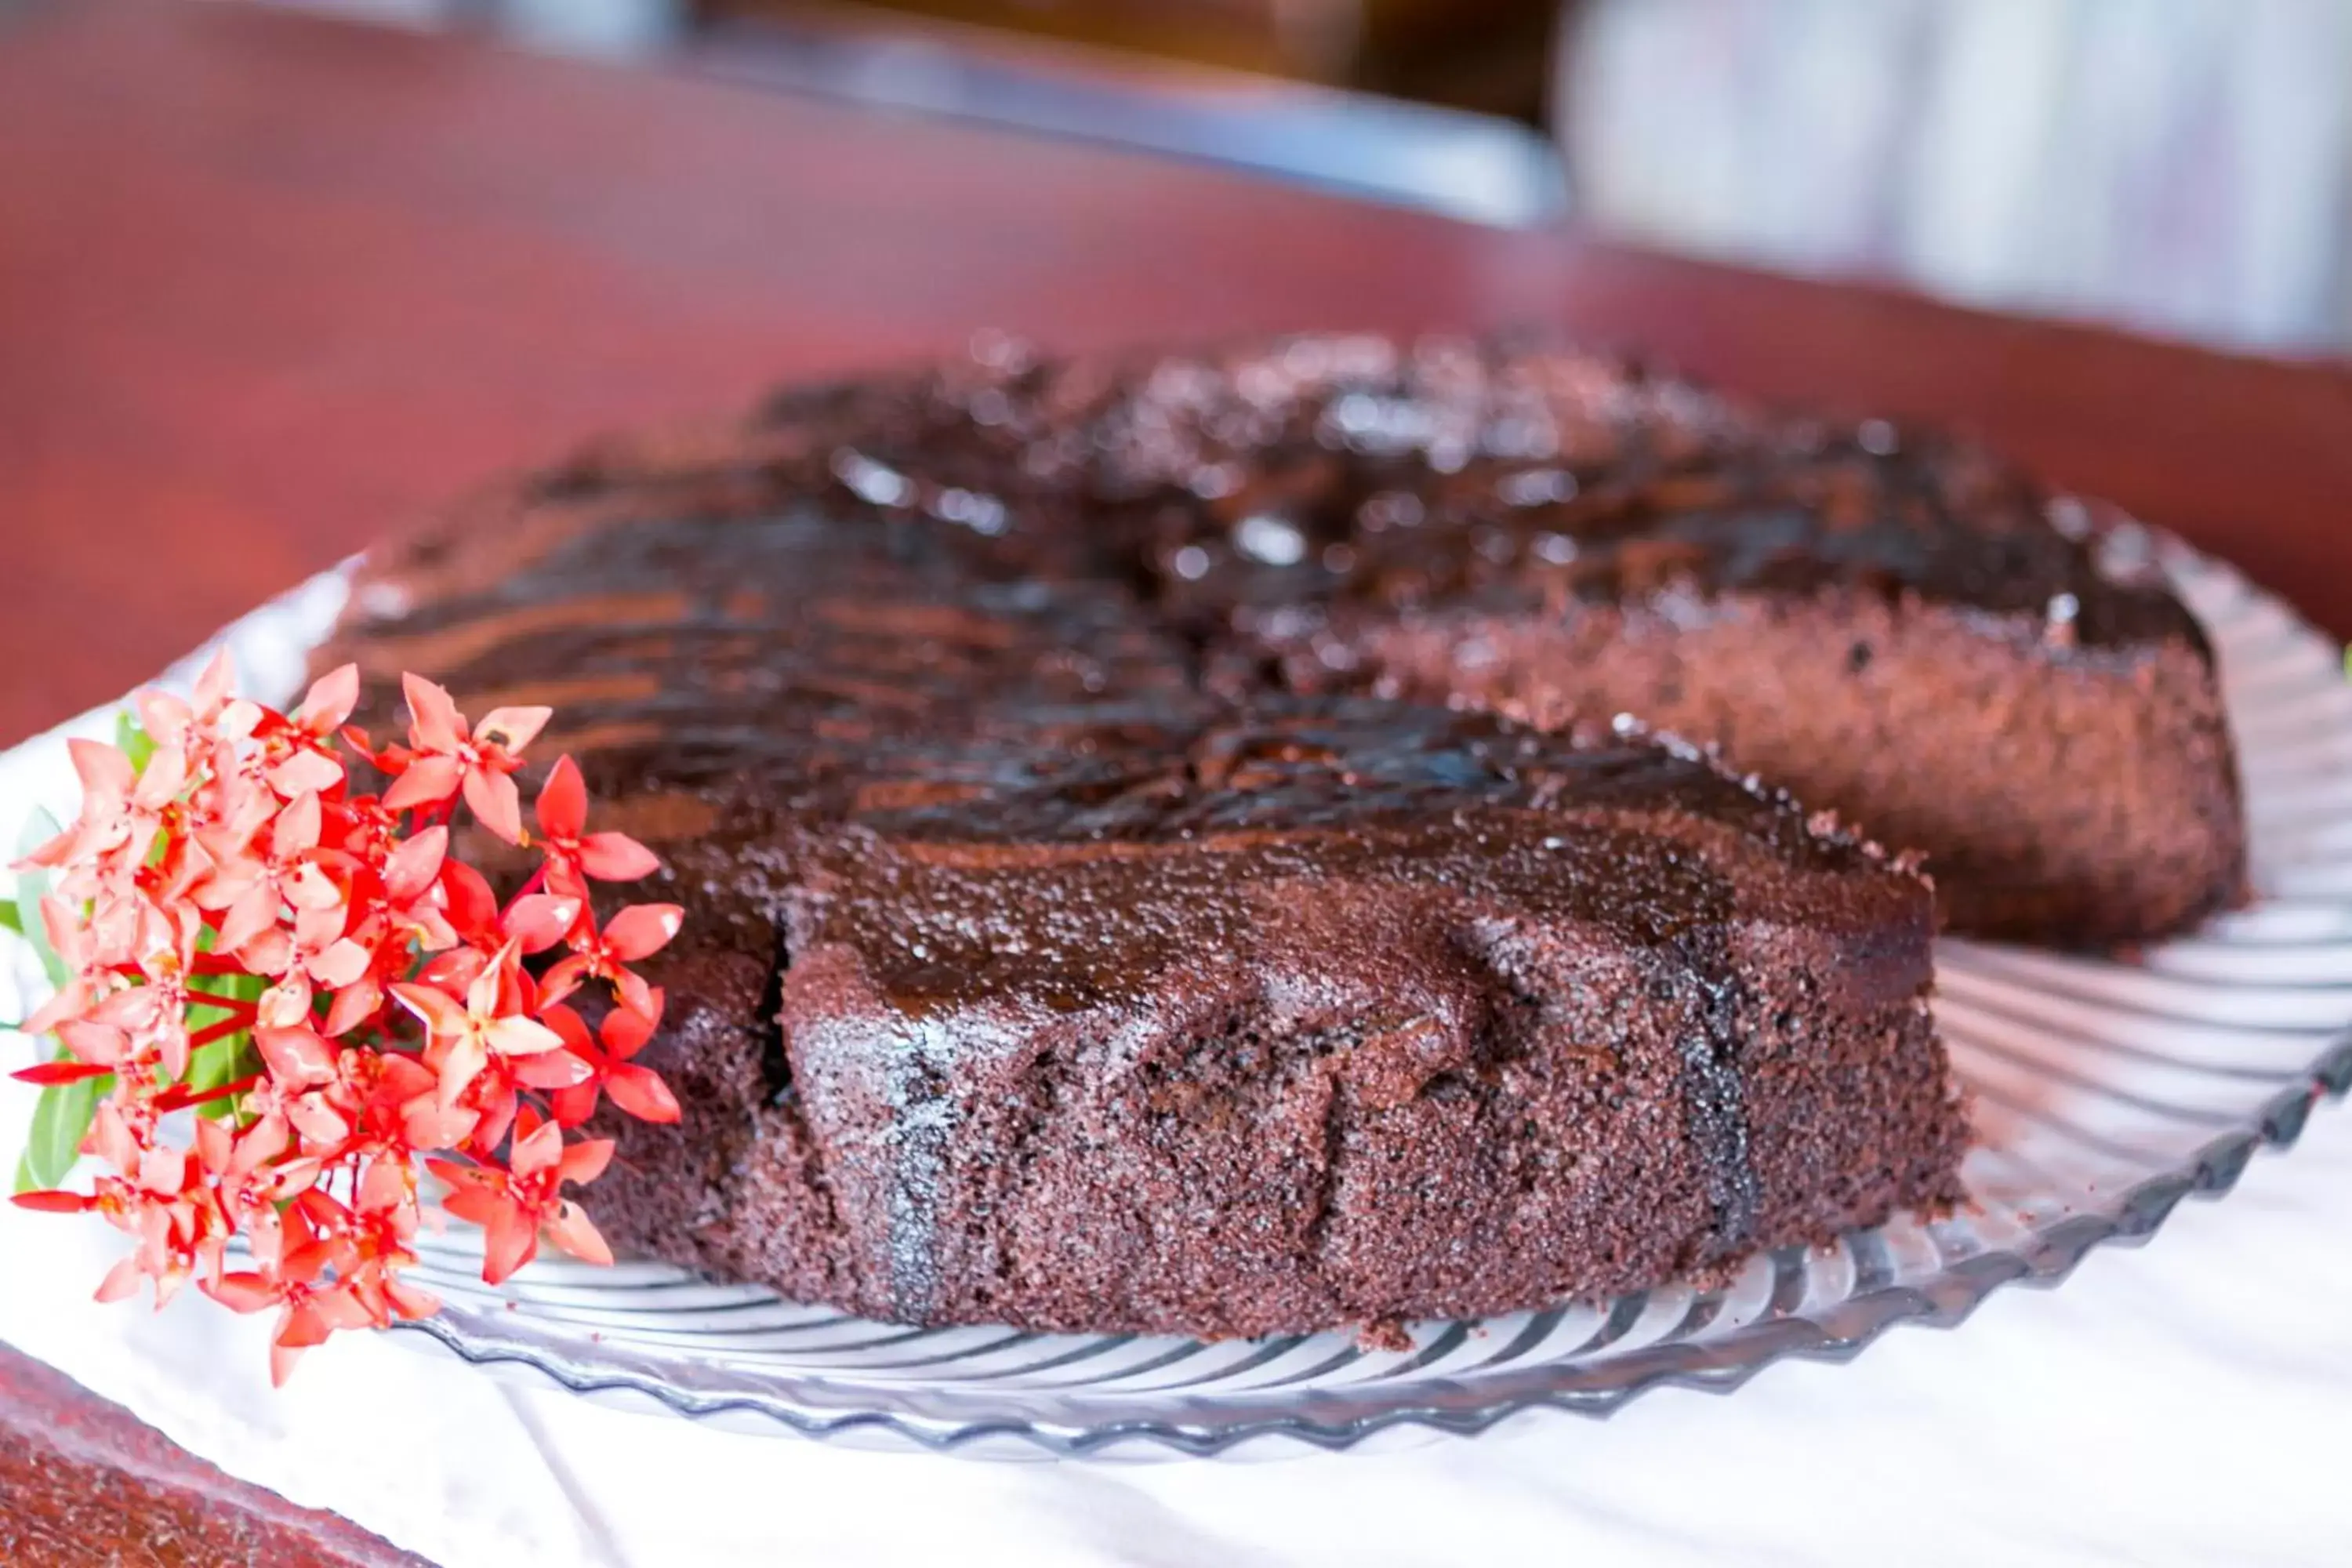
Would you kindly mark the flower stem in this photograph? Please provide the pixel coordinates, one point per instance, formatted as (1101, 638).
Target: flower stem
(221, 1030)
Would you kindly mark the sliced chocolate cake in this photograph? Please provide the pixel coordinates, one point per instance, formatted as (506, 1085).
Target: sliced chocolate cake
(1110, 908)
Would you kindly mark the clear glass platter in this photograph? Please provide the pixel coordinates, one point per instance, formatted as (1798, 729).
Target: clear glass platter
(2104, 1090)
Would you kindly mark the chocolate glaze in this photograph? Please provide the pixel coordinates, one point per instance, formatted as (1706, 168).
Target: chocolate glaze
(1357, 473)
(1023, 738)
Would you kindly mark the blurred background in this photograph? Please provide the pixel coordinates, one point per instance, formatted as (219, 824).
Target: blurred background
(2177, 166)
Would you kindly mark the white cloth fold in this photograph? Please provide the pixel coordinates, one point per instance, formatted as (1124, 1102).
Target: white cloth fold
(2190, 1402)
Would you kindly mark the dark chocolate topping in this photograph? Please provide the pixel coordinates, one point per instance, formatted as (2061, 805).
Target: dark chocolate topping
(1001, 558)
(1332, 473)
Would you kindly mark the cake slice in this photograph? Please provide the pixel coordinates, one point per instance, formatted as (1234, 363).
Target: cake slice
(1887, 622)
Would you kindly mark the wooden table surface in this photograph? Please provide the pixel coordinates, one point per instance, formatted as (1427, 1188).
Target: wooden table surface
(269, 286)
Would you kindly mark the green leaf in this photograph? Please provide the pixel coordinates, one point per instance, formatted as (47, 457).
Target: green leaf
(10, 920)
(132, 740)
(62, 1114)
(30, 885)
(209, 1066)
(225, 1060)
(60, 1117)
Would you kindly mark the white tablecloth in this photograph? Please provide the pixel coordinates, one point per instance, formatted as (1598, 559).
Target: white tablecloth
(2191, 1402)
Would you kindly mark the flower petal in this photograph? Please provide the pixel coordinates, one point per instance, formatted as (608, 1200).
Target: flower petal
(572, 1106)
(568, 1024)
(213, 686)
(245, 1292)
(629, 988)
(616, 858)
(642, 930)
(121, 1281)
(433, 722)
(105, 771)
(286, 1005)
(342, 965)
(255, 911)
(61, 922)
(93, 1042)
(296, 1058)
(388, 1185)
(625, 1030)
(510, 1242)
(467, 1058)
(306, 771)
(163, 716)
(512, 729)
(319, 1123)
(163, 1170)
(427, 780)
(441, 1012)
(110, 1138)
(539, 920)
(415, 864)
(271, 953)
(562, 808)
(238, 719)
(563, 978)
(553, 1070)
(53, 852)
(485, 993)
(281, 1363)
(495, 802)
(260, 1144)
(584, 1161)
(497, 1114)
(297, 827)
(641, 1092)
(520, 1037)
(540, 1148)
(162, 780)
(428, 1124)
(173, 1050)
(330, 700)
(411, 1300)
(575, 1232)
(353, 1004)
(66, 1008)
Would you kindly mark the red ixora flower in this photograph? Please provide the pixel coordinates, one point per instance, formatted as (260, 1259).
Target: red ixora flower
(638, 1090)
(583, 856)
(637, 933)
(515, 1205)
(292, 997)
(446, 758)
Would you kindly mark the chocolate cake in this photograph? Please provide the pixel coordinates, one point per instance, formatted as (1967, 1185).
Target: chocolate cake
(1162, 852)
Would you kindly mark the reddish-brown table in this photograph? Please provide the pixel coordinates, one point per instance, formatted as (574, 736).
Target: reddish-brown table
(268, 285)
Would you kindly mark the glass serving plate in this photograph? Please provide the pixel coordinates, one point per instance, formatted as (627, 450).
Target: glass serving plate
(2104, 1090)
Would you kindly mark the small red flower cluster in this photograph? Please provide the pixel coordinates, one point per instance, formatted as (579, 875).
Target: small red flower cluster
(366, 997)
